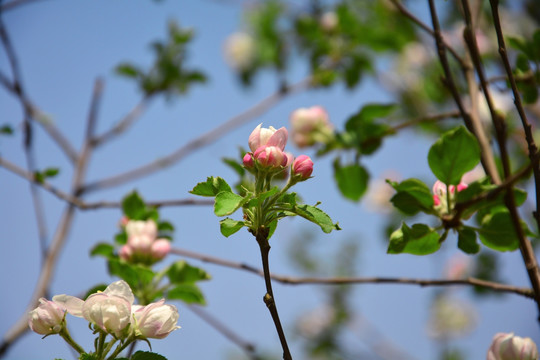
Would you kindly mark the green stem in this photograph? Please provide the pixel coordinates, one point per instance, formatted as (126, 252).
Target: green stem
(120, 347)
(64, 333)
(262, 240)
(101, 341)
(108, 348)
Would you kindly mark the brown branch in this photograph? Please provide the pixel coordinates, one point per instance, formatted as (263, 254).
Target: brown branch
(527, 252)
(426, 119)
(38, 116)
(427, 29)
(47, 269)
(123, 124)
(200, 141)
(82, 205)
(14, 4)
(449, 82)
(247, 347)
(290, 280)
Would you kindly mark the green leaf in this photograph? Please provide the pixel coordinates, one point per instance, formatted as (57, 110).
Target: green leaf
(211, 187)
(227, 203)
(467, 241)
(365, 130)
(102, 249)
(165, 226)
(95, 289)
(120, 238)
(181, 273)
(6, 130)
(51, 172)
(235, 165)
(412, 196)
(455, 153)
(147, 355)
(352, 180)
(134, 275)
(134, 207)
(127, 70)
(418, 240)
(256, 201)
(229, 226)
(497, 231)
(188, 293)
(88, 357)
(317, 216)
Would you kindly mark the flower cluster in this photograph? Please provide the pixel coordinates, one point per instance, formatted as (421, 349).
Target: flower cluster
(268, 156)
(444, 197)
(142, 245)
(310, 126)
(511, 347)
(109, 312)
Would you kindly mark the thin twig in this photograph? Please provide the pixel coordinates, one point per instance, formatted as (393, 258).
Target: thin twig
(200, 141)
(47, 269)
(14, 4)
(123, 124)
(291, 280)
(269, 299)
(43, 120)
(525, 246)
(451, 85)
(28, 139)
(82, 205)
(247, 347)
(427, 29)
(426, 119)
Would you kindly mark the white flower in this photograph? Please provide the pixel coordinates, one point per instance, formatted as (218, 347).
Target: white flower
(239, 50)
(156, 320)
(47, 318)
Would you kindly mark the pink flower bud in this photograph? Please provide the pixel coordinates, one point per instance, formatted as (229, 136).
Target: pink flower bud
(125, 252)
(436, 200)
(270, 157)
(124, 221)
(156, 320)
(263, 137)
(47, 318)
(510, 347)
(303, 167)
(160, 249)
(310, 125)
(248, 161)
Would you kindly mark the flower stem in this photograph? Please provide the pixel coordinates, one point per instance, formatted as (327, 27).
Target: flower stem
(120, 347)
(64, 333)
(262, 240)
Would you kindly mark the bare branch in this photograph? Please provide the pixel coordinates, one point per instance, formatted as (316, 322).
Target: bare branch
(200, 141)
(527, 252)
(123, 124)
(247, 347)
(290, 280)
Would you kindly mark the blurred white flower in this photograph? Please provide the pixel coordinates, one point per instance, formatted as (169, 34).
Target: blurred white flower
(239, 50)
(450, 318)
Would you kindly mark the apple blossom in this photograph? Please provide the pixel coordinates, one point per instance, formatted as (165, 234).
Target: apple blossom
(125, 253)
(329, 21)
(156, 320)
(109, 310)
(440, 197)
(310, 126)
(47, 318)
(511, 347)
(270, 157)
(139, 227)
(160, 248)
(263, 137)
(140, 243)
(239, 50)
(302, 167)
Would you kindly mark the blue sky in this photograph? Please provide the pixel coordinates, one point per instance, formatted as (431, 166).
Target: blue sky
(63, 45)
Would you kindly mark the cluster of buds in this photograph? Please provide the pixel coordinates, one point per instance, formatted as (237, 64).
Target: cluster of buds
(444, 196)
(310, 126)
(142, 245)
(268, 156)
(111, 311)
(511, 347)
